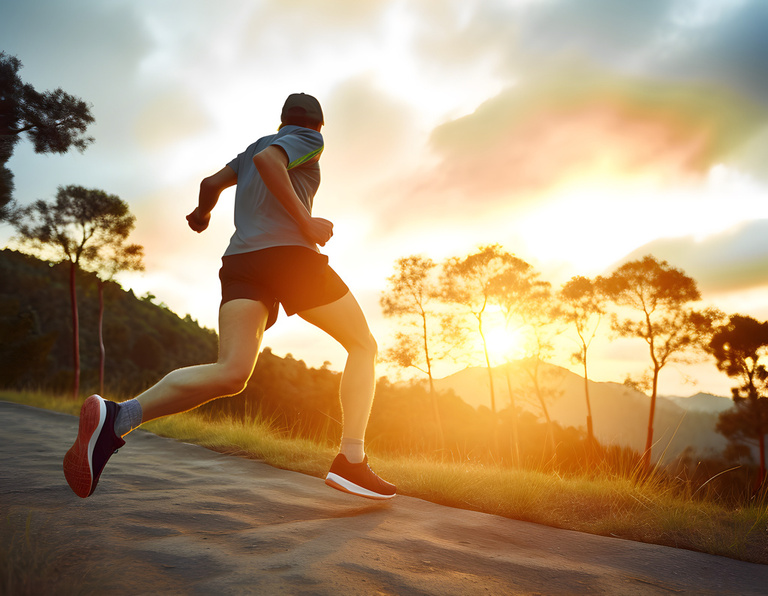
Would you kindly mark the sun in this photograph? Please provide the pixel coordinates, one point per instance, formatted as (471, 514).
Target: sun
(503, 344)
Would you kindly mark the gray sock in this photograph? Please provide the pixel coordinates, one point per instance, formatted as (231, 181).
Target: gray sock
(128, 417)
(353, 450)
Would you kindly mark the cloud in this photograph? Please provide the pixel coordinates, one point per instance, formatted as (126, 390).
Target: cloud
(297, 32)
(367, 130)
(729, 50)
(337, 14)
(602, 30)
(701, 58)
(717, 42)
(734, 260)
(578, 122)
(169, 117)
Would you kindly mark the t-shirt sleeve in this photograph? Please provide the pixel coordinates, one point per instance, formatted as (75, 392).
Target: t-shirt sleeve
(235, 163)
(301, 146)
(245, 157)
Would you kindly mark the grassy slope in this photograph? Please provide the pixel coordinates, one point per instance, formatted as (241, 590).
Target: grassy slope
(646, 511)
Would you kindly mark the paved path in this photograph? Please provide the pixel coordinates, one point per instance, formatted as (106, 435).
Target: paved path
(174, 518)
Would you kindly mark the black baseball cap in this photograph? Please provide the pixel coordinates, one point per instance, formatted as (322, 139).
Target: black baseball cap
(302, 105)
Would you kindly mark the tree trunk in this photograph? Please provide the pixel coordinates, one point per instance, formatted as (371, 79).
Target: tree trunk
(432, 393)
(102, 351)
(651, 414)
(75, 330)
(436, 412)
(761, 478)
(496, 446)
(515, 434)
(488, 367)
(590, 431)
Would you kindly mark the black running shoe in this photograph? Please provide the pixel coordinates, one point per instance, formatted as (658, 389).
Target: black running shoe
(358, 479)
(95, 443)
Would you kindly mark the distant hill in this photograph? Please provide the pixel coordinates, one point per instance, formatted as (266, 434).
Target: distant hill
(143, 340)
(703, 402)
(619, 413)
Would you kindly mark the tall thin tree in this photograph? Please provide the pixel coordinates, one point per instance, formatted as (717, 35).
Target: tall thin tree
(112, 258)
(654, 305)
(582, 304)
(469, 283)
(73, 228)
(539, 345)
(411, 292)
(520, 293)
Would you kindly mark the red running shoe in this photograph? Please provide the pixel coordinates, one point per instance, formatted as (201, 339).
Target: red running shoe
(95, 443)
(358, 479)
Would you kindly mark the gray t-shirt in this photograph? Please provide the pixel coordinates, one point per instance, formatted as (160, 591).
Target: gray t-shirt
(261, 221)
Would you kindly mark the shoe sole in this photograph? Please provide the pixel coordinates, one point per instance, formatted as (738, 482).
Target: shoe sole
(344, 485)
(78, 468)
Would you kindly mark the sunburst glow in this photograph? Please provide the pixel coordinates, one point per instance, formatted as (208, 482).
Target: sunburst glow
(504, 344)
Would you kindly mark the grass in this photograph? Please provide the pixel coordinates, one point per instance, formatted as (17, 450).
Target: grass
(646, 509)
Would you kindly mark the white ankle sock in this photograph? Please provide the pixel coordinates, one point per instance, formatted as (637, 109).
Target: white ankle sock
(128, 417)
(353, 450)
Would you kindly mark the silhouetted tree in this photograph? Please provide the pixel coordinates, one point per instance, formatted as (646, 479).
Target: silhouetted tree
(411, 296)
(520, 293)
(653, 298)
(740, 349)
(469, 283)
(54, 121)
(539, 346)
(112, 258)
(74, 227)
(582, 304)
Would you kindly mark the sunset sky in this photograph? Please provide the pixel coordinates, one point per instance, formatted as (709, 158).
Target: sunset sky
(576, 133)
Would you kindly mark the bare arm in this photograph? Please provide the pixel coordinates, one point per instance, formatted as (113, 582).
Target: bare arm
(272, 164)
(210, 189)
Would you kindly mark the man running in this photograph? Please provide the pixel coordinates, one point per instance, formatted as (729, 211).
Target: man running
(272, 259)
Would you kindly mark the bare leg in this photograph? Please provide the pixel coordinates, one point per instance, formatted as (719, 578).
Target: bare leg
(241, 328)
(345, 322)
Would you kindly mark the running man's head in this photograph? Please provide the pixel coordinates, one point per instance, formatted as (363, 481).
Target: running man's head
(304, 110)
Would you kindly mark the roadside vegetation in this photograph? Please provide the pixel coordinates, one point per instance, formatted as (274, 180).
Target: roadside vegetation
(615, 499)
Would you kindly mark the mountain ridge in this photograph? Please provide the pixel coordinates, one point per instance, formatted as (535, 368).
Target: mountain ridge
(619, 413)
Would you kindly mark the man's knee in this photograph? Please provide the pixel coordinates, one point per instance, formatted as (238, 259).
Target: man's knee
(234, 386)
(369, 345)
(233, 379)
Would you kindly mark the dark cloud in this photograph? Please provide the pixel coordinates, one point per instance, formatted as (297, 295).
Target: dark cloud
(718, 43)
(736, 259)
(730, 52)
(605, 31)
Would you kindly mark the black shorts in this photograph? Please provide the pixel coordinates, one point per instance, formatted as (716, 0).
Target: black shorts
(295, 276)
